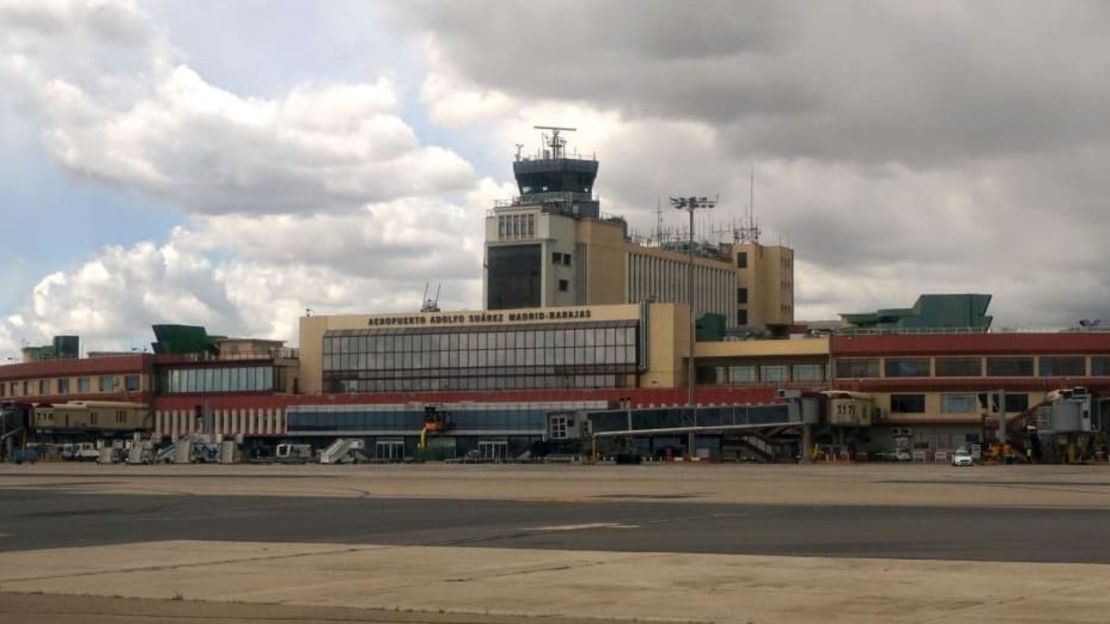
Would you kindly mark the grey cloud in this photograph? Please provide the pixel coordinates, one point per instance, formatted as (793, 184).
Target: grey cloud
(869, 81)
(901, 148)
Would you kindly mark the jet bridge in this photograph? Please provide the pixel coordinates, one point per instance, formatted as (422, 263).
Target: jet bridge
(742, 432)
(681, 420)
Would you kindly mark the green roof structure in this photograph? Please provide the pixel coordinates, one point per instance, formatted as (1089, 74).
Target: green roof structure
(183, 339)
(967, 312)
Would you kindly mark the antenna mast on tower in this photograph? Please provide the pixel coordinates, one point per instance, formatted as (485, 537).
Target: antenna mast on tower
(658, 221)
(430, 304)
(748, 232)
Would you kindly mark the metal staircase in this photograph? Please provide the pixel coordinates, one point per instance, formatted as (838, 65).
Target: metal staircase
(166, 453)
(343, 450)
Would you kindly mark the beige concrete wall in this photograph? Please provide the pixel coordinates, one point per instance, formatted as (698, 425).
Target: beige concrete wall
(769, 278)
(669, 345)
(606, 270)
(311, 341)
(246, 347)
(560, 235)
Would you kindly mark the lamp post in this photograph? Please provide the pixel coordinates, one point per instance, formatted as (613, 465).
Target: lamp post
(690, 204)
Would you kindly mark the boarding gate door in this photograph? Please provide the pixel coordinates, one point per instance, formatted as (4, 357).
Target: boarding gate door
(390, 450)
(496, 451)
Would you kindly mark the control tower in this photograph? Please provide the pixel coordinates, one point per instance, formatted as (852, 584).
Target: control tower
(551, 246)
(558, 182)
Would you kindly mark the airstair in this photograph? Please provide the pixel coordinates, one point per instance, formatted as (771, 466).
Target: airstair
(751, 446)
(166, 453)
(343, 450)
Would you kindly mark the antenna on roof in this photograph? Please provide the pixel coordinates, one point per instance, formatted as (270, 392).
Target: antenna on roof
(748, 232)
(556, 142)
(519, 146)
(658, 221)
(430, 305)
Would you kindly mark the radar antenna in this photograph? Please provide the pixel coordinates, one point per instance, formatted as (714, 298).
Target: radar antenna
(555, 142)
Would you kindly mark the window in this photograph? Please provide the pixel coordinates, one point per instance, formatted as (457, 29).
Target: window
(1009, 367)
(131, 383)
(1062, 366)
(558, 427)
(742, 260)
(514, 276)
(563, 285)
(44, 386)
(501, 227)
(958, 404)
(857, 368)
(773, 374)
(741, 316)
(741, 295)
(84, 385)
(556, 355)
(809, 372)
(105, 383)
(556, 257)
(959, 367)
(1014, 402)
(741, 374)
(906, 367)
(63, 386)
(566, 259)
(1100, 365)
(907, 403)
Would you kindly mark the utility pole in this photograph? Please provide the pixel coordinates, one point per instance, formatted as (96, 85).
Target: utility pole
(690, 204)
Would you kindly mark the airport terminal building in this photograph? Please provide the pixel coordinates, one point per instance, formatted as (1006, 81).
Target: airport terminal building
(581, 317)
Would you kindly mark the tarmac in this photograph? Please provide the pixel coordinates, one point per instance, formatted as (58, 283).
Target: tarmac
(1085, 487)
(849, 543)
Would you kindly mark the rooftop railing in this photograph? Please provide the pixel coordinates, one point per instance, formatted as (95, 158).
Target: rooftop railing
(554, 197)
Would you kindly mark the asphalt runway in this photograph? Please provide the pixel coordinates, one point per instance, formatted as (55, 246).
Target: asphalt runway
(44, 518)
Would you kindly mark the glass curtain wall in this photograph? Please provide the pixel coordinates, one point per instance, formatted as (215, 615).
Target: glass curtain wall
(540, 356)
(224, 379)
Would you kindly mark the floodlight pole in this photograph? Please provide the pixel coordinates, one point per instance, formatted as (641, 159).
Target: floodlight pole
(690, 204)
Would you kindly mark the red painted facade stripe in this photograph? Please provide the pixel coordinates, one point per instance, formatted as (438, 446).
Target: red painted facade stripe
(972, 344)
(965, 384)
(121, 365)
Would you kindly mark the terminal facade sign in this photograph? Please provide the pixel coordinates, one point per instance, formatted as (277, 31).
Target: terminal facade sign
(481, 318)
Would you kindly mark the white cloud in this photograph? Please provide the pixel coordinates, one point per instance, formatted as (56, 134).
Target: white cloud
(255, 276)
(124, 107)
(322, 196)
(318, 149)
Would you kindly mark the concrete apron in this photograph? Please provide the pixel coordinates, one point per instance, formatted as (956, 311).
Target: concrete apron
(648, 586)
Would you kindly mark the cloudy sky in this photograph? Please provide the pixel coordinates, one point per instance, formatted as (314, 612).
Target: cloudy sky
(233, 163)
